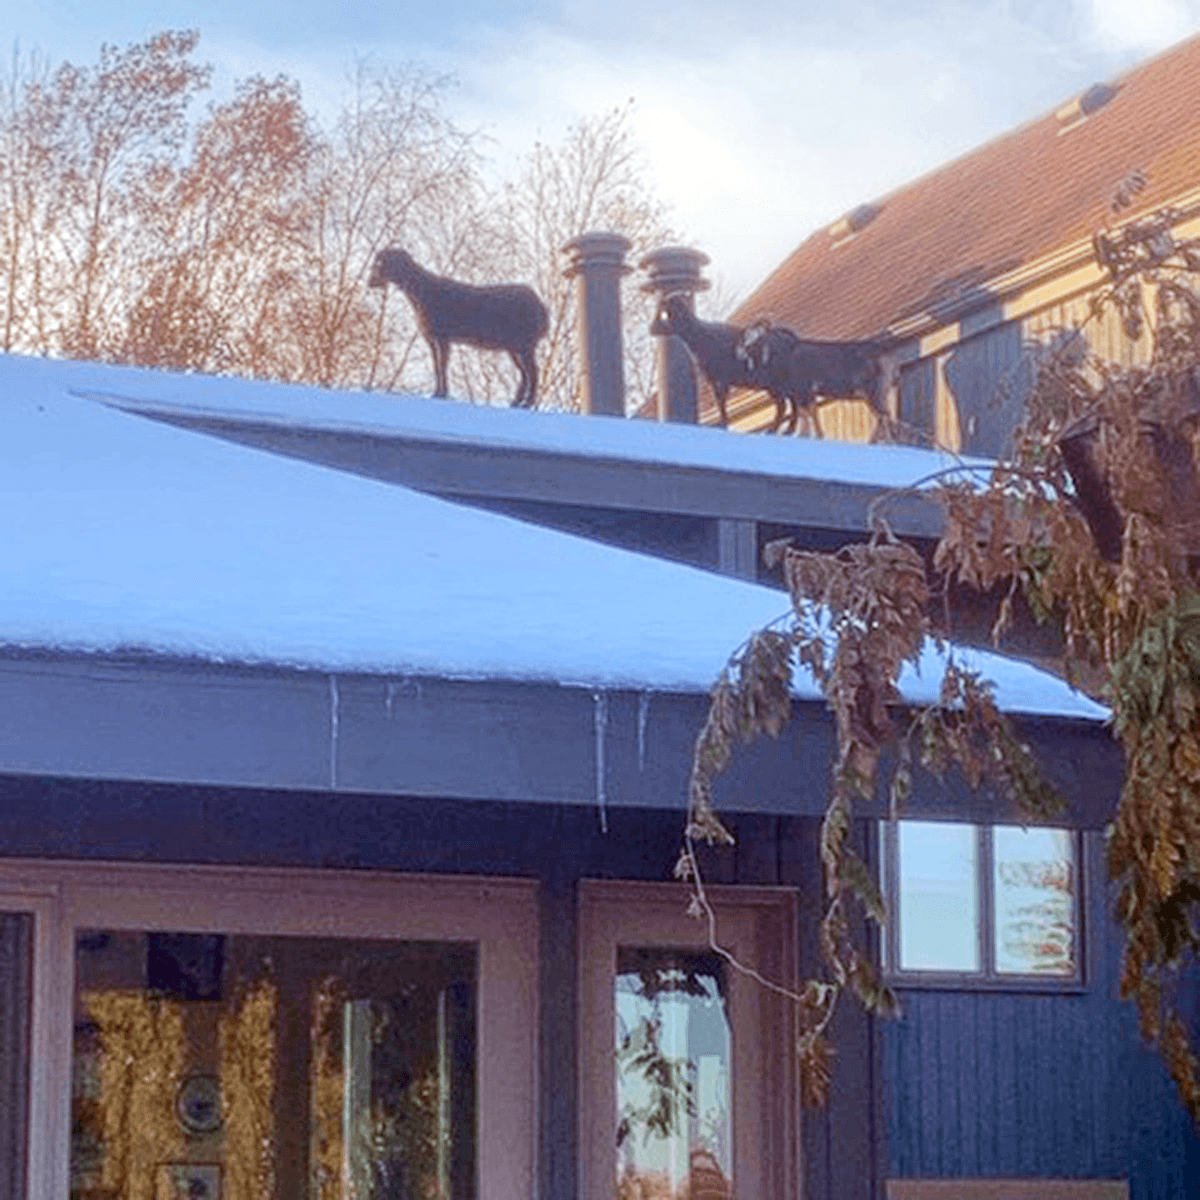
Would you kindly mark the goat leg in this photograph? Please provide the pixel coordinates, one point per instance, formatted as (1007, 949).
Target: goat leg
(721, 392)
(440, 350)
(776, 424)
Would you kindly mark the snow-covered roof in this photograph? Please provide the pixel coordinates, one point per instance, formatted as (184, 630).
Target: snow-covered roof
(420, 418)
(122, 534)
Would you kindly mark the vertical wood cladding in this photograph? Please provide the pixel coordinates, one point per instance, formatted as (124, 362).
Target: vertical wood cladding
(966, 1084)
(1022, 1084)
(917, 412)
(16, 930)
(989, 381)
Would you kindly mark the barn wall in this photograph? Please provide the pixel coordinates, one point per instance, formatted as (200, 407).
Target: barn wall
(965, 1084)
(988, 381)
(916, 412)
(1009, 1084)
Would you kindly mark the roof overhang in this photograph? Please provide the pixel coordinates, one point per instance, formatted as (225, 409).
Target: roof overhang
(198, 724)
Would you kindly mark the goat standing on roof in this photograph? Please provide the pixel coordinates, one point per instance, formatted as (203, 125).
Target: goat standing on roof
(507, 316)
(809, 371)
(718, 352)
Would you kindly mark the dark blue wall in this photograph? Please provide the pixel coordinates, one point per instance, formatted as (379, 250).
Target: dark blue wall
(965, 1084)
(1011, 1084)
(133, 821)
(918, 413)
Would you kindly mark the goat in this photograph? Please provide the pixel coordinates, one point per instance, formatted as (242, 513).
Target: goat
(810, 371)
(718, 352)
(507, 316)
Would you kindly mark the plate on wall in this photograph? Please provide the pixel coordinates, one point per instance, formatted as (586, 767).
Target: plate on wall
(198, 1104)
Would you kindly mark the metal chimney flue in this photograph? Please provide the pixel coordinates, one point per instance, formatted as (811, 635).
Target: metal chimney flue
(597, 264)
(675, 269)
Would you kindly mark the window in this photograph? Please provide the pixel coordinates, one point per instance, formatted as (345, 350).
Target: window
(991, 904)
(687, 1070)
(254, 1034)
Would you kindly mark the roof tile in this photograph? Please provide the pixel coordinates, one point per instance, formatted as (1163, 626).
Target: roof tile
(1008, 203)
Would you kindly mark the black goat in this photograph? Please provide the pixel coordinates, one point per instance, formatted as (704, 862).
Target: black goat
(507, 316)
(810, 371)
(719, 351)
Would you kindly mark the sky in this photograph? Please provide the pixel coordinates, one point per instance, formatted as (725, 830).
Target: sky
(759, 121)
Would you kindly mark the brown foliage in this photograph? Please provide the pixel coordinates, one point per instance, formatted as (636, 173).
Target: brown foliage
(241, 241)
(1095, 522)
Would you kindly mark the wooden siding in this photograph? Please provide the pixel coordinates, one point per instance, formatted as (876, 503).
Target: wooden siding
(16, 931)
(1105, 335)
(965, 1084)
(916, 410)
(559, 845)
(988, 382)
(1008, 1084)
(842, 420)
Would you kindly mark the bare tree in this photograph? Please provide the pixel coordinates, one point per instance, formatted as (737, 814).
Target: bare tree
(242, 242)
(393, 169)
(593, 179)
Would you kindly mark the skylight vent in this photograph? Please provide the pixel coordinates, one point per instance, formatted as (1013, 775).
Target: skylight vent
(1073, 114)
(854, 221)
(1097, 96)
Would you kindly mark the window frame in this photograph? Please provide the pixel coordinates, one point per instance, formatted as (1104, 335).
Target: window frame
(759, 925)
(499, 915)
(987, 978)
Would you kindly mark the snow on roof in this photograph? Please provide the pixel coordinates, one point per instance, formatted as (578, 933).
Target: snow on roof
(123, 534)
(420, 418)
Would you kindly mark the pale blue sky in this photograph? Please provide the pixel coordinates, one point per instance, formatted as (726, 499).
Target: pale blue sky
(760, 121)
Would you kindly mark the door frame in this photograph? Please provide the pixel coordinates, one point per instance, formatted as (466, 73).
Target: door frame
(499, 915)
(758, 924)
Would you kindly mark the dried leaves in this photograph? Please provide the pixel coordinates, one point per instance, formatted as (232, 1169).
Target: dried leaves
(1095, 523)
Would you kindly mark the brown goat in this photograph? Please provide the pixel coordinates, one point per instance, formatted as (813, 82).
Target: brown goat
(507, 316)
(812, 371)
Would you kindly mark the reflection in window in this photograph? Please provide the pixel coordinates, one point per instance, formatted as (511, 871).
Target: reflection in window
(1034, 898)
(1006, 892)
(674, 1133)
(939, 900)
(244, 1068)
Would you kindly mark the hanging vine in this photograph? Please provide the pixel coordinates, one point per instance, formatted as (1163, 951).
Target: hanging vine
(1094, 521)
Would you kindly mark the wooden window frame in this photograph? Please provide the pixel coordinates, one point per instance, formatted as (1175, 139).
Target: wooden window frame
(759, 926)
(498, 915)
(1007, 1189)
(987, 978)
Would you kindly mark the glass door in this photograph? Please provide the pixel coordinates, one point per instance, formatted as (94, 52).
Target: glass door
(688, 1087)
(217, 1067)
(237, 1034)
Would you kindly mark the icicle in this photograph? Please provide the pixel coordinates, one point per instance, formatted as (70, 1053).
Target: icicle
(335, 705)
(643, 718)
(600, 700)
(404, 689)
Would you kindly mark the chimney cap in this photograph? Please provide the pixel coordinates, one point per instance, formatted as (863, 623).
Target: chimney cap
(675, 269)
(597, 248)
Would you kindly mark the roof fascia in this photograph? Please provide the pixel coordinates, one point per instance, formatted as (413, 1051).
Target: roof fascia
(189, 723)
(466, 472)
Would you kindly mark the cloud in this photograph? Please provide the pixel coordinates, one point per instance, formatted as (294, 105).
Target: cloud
(761, 121)
(758, 141)
(1125, 27)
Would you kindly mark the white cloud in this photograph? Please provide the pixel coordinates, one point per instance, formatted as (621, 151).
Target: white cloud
(760, 121)
(1140, 26)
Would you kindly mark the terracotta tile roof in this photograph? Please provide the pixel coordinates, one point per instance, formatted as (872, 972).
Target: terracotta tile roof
(1010, 202)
